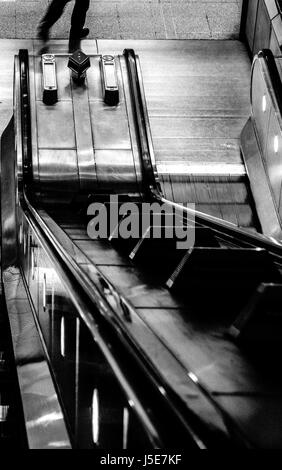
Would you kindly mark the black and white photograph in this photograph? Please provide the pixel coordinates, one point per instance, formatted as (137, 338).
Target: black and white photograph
(141, 228)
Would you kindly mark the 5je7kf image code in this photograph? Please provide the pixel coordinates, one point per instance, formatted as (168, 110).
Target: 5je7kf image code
(139, 461)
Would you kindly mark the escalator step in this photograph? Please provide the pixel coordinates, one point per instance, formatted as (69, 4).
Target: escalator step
(222, 266)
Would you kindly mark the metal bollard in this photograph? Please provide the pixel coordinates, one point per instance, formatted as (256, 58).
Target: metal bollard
(79, 63)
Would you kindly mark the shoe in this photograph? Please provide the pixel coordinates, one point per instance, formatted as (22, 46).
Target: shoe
(84, 33)
(79, 34)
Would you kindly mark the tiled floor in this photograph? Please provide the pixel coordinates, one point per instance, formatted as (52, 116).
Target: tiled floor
(130, 19)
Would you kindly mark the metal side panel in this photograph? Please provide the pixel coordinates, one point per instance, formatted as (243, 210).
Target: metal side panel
(55, 126)
(44, 421)
(84, 139)
(263, 197)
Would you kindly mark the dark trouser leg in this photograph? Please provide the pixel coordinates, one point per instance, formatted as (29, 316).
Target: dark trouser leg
(78, 16)
(52, 15)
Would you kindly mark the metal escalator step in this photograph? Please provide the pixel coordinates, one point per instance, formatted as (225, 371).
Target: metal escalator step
(223, 266)
(164, 242)
(159, 256)
(124, 245)
(261, 320)
(160, 250)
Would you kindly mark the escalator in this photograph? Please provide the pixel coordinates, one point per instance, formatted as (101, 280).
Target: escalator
(131, 338)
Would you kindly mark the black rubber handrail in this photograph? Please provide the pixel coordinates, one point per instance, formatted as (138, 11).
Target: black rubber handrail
(148, 174)
(25, 117)
(279, 6)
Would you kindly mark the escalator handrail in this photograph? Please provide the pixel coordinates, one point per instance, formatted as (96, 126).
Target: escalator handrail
(149, 173)
(279, 6)
(25, 117)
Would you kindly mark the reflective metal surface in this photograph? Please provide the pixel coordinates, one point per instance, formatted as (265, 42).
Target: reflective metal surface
(92, 146)
(85, 158)
(45, 425)
(266, 210)
(261, 143)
